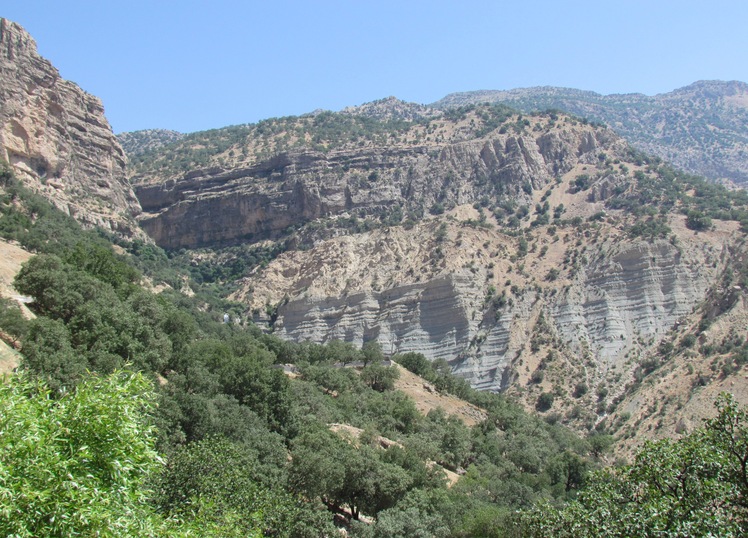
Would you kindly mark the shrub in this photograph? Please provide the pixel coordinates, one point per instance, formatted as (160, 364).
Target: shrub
(545, 402)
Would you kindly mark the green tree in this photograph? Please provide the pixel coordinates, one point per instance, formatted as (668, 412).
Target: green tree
(694, 486)
(76, 465)
(212, 480)
(696, 220)
(317, 468)
(48, 354)
(12, 322)
(545, 402)
(59, 290)
(379, 377)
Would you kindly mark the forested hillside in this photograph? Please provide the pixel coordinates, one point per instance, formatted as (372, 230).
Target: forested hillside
(206, 436)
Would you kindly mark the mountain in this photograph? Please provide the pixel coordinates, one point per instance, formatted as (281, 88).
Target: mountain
(539, 255)
(701, 128)
(536, 255)
(57, 139)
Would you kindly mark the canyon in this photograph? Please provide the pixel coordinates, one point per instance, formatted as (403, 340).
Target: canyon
(537, 253)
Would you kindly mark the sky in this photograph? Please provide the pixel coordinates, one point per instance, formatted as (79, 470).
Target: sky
(192, 65)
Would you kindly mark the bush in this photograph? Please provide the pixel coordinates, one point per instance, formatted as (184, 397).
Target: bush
(696, 220)
(545, 402)
(580, 390)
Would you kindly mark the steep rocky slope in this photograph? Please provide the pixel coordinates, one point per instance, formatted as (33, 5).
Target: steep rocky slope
(575, 316)
(704, 354)
(247, 196)
(701, 128)
(538, 254)
(57, 139)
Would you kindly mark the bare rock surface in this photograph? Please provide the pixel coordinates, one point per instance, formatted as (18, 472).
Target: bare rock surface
(57, 139)
(244, 203)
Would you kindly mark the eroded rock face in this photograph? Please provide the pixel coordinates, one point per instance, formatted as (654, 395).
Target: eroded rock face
(463, 293)
(215, 206)
(57, 139)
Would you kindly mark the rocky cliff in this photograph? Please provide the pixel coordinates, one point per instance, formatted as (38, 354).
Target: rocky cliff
(594, 300)
(441, 162)
(58, 140)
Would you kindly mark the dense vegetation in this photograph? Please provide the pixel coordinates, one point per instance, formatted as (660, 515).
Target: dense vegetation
(142, 414)
(246, 449)
(695, 486)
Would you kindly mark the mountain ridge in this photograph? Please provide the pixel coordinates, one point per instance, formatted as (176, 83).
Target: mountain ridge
(510, 244)
(713, 142)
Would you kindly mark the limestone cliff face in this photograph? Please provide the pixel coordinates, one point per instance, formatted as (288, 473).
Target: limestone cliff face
(214, 206)
(57, 139)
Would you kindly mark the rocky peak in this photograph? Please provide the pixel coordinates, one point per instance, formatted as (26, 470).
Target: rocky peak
(57, 139)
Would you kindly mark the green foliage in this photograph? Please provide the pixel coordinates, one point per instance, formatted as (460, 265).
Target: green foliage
(378, 377)
(12, 322)
(416, 363)
(101, 263)
(327, 467)
(694, 486)
(696, 220)
(661, 188)
(418, 515)
(49, 355)
(545, 401)
(76, 465)
(215, 479)
(104, 331)
(652, 228)
(38, 226)
(581, 182)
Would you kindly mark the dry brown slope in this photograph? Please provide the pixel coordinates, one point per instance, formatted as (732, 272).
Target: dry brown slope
(11, 258)
(427, 398)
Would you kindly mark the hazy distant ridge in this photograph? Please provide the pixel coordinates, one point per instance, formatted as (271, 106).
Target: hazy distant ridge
(702, 128)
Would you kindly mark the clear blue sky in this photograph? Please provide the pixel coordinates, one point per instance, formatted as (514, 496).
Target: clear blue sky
(191, 65)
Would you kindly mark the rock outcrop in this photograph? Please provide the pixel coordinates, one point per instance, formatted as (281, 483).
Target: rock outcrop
(471, 306)
(218, 206)
(57, 139)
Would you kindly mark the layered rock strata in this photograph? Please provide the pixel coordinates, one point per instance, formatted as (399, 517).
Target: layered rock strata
(479, 309)
(216, 206)
(57, 139)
